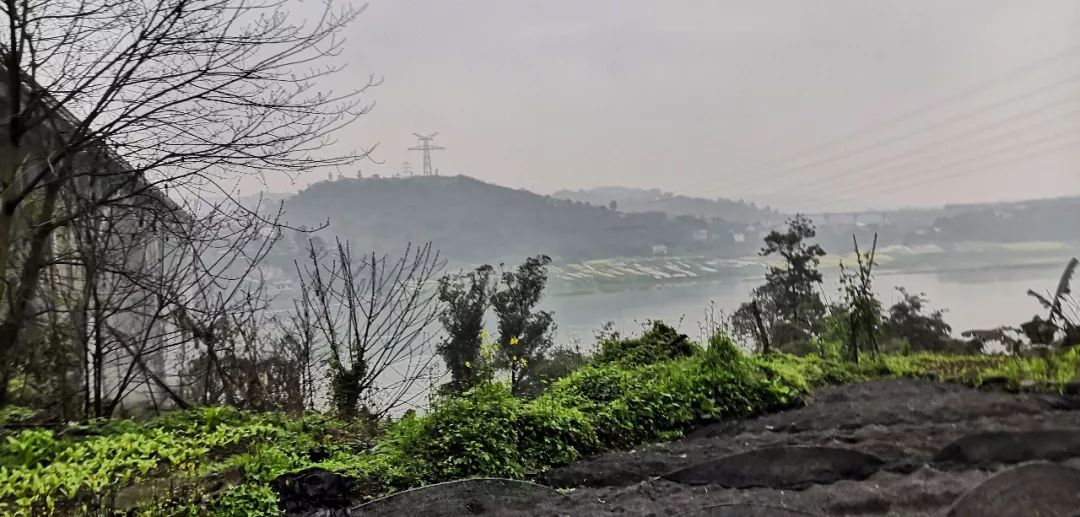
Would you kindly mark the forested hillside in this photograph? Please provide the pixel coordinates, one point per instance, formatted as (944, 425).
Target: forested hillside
(654, 200)
(469, 220)
(1043, 219)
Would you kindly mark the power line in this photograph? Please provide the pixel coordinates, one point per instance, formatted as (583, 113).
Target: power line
(753, 173)
(963, 173)
(992, 158)
(904, 136)
(894, 161)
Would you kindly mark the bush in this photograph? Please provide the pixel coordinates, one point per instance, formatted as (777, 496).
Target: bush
(471, 435)
(42, 474)
(724, 349)
(1048, 372)
(659, 342)
(244, 501)
(555, 365)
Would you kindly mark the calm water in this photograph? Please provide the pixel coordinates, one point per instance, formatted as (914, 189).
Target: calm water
(973, 300)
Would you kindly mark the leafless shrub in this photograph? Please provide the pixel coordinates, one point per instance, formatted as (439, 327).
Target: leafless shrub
(371, 317)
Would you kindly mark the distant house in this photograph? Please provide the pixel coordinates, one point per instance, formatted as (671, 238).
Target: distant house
(701, 234)
(738, 236)
(659, 249)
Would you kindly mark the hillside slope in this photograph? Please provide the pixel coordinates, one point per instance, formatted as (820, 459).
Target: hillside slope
(654, 200)
(470, 221)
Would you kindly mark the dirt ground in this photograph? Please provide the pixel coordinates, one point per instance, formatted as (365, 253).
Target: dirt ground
(905, 423)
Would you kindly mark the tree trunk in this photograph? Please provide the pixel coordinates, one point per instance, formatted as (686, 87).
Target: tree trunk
(18, 305)
(763, 336)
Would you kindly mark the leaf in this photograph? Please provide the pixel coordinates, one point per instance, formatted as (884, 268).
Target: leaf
(1063, 290)
(1042, 299)
(1063, 287)
(1066, 279)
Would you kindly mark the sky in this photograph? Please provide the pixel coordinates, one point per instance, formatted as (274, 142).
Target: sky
(812, 105)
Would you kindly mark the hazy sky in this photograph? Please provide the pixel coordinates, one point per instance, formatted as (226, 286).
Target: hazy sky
(804, 104)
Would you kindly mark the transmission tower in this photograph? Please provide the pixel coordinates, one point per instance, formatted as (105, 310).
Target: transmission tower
(406, 169)
(426, 147)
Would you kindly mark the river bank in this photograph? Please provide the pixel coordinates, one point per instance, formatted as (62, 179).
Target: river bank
(996, 276)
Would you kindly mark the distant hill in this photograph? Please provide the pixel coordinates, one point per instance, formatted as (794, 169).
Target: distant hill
(1055, 219)
(472, 221)
(655, 200)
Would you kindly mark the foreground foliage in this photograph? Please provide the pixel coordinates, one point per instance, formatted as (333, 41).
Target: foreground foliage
(219, 461)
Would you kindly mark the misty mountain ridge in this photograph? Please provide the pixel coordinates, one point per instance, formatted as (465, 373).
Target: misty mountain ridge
(473, 221)
(628, 199)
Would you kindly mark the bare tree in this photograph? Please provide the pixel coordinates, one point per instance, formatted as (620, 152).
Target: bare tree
(374, 319)
(145, 294)
(299, 336)
(147, 96)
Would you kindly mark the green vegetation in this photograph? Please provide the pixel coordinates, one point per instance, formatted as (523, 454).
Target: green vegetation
(183, 456)
(788, 307)
(465, 298)
(525, 333)
(219, 461)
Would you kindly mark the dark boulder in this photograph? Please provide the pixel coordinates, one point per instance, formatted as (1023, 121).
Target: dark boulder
(1032, 490)
(1011, 447)
(994, 382)
(313, 492)
(780, 467)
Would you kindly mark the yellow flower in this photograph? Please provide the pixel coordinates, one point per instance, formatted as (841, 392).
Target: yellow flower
(513, 341)
(468, 364)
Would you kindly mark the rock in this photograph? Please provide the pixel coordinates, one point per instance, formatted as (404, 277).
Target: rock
(1028, 385)
(745, 510)
(479, 496)
(1060, 402)
(1011, 447)
(1071, 388)
(994, 382)
(313, 492)
(780, 467)
(1032, 490)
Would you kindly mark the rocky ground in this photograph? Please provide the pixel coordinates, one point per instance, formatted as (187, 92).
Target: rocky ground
(893, 447)
(904, 423)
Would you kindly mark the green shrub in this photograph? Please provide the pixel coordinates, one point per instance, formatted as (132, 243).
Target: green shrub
(471, 435)
(16, 415)
(249, 500)
(723, 350)
(594, 383)
(29, 448)
(554, 432)
(659, 342)
(1049, 371)
(40, 474)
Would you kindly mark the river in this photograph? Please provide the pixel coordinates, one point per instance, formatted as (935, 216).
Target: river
(975, 299)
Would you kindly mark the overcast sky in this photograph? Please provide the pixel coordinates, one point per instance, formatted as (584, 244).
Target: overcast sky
(802, 104)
